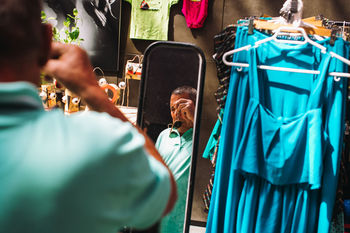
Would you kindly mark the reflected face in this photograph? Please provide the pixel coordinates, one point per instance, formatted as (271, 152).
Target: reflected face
(182, 109)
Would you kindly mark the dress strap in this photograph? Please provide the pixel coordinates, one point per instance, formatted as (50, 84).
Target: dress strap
(255, 83)
(320, 83)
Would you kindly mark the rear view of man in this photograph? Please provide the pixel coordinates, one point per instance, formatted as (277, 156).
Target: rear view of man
(91, 172)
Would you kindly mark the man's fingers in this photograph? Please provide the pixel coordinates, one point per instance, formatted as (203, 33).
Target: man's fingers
(182, 105)
(57, 49)
(187, 105)
(52, 67)
(182, 100)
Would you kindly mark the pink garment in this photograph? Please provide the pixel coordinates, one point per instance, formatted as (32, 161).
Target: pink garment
(195, 12)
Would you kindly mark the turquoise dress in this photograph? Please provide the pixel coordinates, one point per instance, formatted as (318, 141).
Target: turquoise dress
(281, 138)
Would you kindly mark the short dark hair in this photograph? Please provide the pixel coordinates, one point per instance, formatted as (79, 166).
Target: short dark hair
(19, 27)
(186, 90)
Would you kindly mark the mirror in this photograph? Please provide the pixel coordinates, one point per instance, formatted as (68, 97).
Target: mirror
(167, 66)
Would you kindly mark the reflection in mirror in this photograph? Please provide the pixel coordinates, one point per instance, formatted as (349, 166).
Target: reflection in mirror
(170, 102)
(175, 146)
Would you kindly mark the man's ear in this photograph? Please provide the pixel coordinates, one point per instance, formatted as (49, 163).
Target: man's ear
(46, 40)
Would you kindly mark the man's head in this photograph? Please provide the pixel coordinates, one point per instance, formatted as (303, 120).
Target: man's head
(182, 106)
(23, 39)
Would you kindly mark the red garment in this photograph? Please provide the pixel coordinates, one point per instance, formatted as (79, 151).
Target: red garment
(195, 12)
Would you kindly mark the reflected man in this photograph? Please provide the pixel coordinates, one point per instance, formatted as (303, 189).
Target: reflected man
(175, 146)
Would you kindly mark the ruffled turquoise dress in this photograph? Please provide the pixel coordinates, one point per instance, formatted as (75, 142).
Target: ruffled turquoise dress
(281, 139)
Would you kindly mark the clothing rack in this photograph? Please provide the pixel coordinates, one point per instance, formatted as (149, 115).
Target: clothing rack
(339, 28)
(237, 105)
(330, 23)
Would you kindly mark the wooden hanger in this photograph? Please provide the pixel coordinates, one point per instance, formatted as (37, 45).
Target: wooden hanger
(291, 16)
(318, 30)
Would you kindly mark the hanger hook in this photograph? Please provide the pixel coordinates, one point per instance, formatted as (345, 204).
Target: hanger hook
(336, 78)
(98, 68)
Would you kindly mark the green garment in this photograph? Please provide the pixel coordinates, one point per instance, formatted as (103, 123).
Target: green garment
(151, 24)
(81, 173)
(176, 152)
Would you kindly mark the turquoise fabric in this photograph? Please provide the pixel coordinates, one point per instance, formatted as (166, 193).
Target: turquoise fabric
(213, 139)
(83, 173)
(281, 138)
(176, 151)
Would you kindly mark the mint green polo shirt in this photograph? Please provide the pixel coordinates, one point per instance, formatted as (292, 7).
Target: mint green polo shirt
(176, 151)
(151, 24)
(81, 173)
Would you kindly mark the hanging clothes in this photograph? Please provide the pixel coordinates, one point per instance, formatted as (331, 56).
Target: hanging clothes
(212, 144)
(223, 42)
(337, 225)
(278, 156)
(195, 12)
(150, 19)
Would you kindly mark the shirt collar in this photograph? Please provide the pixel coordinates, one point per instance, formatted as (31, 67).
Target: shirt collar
(17, 96)
(186, 136)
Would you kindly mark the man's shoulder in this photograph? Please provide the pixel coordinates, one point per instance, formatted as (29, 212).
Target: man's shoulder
(93, 130)
(89, 120)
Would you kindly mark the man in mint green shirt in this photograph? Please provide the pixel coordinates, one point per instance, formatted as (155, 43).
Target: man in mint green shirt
(92, 172)
(175, 146)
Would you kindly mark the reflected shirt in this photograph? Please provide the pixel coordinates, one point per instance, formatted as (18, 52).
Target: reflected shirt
(176, 151)
(81, 173)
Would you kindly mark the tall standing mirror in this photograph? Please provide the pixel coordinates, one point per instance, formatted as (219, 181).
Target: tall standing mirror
(170, 73)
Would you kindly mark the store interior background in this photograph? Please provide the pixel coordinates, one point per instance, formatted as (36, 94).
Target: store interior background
(220, 14)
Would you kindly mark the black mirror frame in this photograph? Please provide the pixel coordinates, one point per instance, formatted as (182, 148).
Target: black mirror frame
(199, 100)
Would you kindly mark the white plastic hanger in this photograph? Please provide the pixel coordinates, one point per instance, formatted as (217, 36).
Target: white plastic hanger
(278, 32)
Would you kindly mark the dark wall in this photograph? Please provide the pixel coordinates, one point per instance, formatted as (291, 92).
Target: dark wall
(220, 14)
(98, 27)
